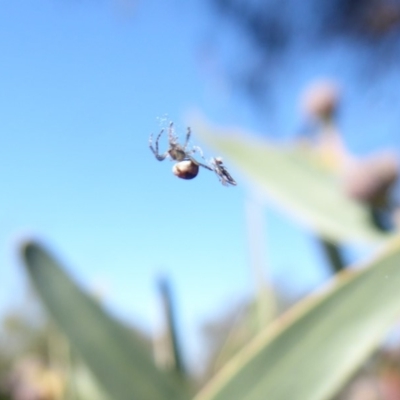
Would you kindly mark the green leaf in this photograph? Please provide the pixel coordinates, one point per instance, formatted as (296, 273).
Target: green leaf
(296, 181)
(82, 384)
(244, 329)
(311, 352)
(118, 356)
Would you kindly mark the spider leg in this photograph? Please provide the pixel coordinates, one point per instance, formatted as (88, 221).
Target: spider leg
(160, 157)
(171, 136)
(188, 133)
(199, 163)
(197, 149)
(200, 151)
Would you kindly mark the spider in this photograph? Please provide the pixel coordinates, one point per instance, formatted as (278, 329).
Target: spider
(187, 166)
(224, 176)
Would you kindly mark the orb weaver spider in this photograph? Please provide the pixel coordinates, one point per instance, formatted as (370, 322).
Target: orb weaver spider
(187, 166)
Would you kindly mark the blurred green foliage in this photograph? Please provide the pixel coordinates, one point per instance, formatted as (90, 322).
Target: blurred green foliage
(310, 352)
(319, 344)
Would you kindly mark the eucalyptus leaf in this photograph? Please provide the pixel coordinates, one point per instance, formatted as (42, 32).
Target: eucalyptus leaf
(118, 357)
(296, 181)
(310, 352)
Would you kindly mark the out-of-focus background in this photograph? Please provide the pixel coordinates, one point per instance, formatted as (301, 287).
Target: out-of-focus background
(82, 86)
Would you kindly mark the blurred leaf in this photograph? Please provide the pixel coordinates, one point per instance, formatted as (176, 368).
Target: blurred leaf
(245, 328)
(310, 352)
(83, 385)
(297, 182)
(117, 356)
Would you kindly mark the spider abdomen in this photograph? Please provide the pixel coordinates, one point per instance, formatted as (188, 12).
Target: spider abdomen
(185, 169)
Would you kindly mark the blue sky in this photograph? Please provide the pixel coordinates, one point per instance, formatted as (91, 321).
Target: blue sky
(83, 84)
